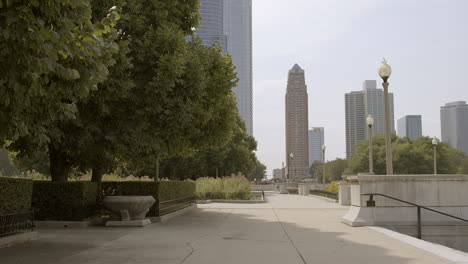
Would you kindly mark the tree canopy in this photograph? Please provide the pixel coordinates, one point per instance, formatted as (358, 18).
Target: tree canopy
(52, 57)
(409, 157)
(237, 156)
(161, 96)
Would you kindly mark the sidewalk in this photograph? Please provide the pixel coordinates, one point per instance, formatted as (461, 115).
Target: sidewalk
(288, 229)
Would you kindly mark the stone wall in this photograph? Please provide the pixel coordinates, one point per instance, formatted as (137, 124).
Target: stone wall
(446, 193)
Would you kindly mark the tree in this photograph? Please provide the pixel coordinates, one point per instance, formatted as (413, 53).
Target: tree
(258, 173)
(334, 169)
(237, 156)
(409, 157)
(52, 57)
(6, 167)
(182, 100)
(164, 96)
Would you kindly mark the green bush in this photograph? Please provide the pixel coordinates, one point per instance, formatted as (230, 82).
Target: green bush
(64, 201)
(170, 190)
(230, 188)
(15, 195)
(292, 190)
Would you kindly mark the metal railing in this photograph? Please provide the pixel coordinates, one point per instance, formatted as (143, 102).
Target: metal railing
(170, 206)
(371, 203)
(16, 222)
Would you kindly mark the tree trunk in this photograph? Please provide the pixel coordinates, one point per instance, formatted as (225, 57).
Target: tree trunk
(156, 174)
(59, 166)
(98, 172)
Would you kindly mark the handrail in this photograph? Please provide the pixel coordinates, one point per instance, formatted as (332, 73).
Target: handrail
(371, 203)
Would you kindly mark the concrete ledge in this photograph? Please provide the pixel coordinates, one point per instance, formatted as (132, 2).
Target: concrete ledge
(385, 216)
(130, 223)
(442, 251)
(19, 238)
(168, 216)
(323, 197)
(230, 201)
(69, 224)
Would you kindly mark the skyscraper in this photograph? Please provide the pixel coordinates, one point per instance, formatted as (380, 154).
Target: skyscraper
(211, 25)
(410, 126)
(229, 22)
(238, 28)
(454, 125)
(316, 141)
(277, 173)
(359, 104)
(297, 117)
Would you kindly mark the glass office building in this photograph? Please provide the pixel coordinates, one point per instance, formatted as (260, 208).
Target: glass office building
(229, 22)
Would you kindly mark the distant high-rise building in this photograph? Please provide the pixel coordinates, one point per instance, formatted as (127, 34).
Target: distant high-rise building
(410, 126)
(229, 22)
(277, 173)
(454, 125)
(316, 141)
(359, 104)
(297, 117)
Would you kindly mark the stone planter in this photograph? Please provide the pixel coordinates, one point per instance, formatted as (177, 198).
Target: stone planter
(128, 210)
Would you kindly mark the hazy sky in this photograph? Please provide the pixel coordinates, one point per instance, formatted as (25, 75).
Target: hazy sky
(340, 44)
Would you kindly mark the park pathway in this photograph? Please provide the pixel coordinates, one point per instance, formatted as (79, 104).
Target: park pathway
(289, 229)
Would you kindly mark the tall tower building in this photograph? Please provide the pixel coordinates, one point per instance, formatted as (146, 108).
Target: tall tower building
(297, 123)
(211, 25)
(359, 104)
(229, 22)
(454, 125)
(238, 28)
(410, 126)
(316, 141)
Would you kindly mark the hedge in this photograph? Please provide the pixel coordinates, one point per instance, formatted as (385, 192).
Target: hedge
(170, 190)
(15, 195)
(64, 201)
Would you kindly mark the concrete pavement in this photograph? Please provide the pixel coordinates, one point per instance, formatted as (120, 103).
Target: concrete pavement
(288, 229)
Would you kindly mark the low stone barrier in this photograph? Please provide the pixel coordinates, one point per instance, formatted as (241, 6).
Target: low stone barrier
(446, 193)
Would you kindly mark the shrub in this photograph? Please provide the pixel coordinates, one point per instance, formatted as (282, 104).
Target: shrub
(170, 190)
(332, 187)
(15, 195)
(64, 201)
(293, 190)
(230, 188)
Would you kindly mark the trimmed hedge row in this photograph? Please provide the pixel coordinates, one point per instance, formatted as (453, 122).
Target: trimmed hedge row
(78, 201)
(64, 201)
(15, 195)
(170, 190)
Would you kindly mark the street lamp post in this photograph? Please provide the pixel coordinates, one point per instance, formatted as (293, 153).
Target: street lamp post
(384, 72)
(434, 143)
(323, 163)
(370, 123)
(291, 156)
